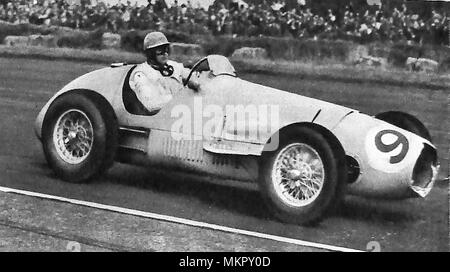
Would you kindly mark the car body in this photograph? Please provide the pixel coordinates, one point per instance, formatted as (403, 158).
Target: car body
(379, 159)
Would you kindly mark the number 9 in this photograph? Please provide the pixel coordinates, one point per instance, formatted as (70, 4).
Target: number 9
(385, 148)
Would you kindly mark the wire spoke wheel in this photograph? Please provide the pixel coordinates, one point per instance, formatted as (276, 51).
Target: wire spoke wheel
(298, 174)
(73, 136)
(79, 136)
(303, 178)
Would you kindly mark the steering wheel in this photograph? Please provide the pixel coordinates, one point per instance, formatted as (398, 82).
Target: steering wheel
(193, 69)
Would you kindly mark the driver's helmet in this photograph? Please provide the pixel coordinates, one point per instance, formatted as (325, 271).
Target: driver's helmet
(155, 39)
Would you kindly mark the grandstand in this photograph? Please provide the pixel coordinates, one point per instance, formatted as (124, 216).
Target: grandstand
(363, 21)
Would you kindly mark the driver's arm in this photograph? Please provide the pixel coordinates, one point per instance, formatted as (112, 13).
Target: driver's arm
(184, 72)
(151, 94)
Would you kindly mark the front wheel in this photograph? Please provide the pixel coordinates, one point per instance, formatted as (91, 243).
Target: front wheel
(406, 122)
(300, 180)
(79, 137)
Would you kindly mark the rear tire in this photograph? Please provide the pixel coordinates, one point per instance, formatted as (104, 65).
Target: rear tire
(79, 137)
(306, 167)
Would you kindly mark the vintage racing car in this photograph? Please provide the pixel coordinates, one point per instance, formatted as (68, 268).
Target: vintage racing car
(305, 154)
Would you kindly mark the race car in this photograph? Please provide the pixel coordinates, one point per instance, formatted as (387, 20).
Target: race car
(305, 154)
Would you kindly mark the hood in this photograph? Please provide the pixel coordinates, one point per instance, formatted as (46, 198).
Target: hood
(292, 108)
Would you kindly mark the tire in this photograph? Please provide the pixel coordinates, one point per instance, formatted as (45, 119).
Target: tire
(406, 122)
(325, 160)
(79, 137)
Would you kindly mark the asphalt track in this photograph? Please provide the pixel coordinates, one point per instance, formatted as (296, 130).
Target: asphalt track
(416, 224)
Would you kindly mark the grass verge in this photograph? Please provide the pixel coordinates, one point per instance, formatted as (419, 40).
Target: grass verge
(332, 70)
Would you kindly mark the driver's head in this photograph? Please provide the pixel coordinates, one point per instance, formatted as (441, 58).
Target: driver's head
(156, 48)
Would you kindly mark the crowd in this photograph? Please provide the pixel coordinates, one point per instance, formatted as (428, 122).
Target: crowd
(269, 18)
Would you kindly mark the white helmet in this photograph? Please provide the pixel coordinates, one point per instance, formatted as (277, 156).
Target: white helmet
(155, 39)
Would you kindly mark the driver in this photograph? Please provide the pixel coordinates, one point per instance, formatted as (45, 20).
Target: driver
(157, 80)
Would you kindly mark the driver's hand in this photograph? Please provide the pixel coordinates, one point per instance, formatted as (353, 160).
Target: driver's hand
(194, 83)
(196, 74)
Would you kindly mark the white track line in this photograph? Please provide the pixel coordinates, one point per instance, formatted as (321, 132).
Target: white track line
(178, 220)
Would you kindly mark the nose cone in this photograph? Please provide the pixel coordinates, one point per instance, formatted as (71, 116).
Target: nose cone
(413, 182)
(425, 172)
(423, 190)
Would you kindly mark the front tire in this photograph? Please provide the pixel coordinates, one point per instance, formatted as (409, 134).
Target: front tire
(79, 137)
(406, 122)
(300, 181)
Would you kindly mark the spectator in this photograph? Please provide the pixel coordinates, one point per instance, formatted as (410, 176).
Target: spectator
(268, 17)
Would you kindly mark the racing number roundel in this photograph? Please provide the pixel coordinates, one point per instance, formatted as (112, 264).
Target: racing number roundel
(387, 149)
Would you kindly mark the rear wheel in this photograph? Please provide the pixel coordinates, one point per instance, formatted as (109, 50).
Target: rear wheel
(300, 180)
(79, 137)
